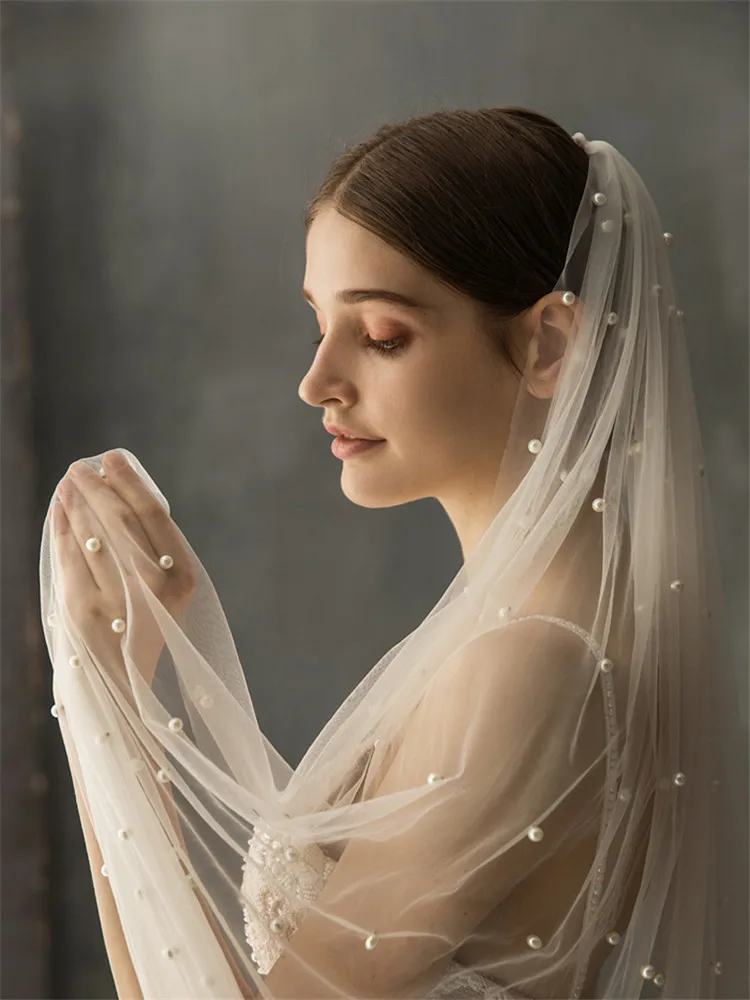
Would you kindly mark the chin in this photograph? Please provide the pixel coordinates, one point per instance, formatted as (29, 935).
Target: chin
(371, 489)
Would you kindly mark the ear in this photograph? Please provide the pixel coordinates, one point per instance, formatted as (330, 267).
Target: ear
(553, 330)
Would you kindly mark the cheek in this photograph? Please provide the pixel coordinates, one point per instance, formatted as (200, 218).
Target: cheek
(436, 424)
(468, 422)
(425, 411)
(450, 407)
(461, 403)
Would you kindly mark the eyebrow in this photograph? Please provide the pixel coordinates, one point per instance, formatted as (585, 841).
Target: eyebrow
(352, 296)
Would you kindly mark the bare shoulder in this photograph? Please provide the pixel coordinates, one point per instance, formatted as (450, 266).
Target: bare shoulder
(529, 645)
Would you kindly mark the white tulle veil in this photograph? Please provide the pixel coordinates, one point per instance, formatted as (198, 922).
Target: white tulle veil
(414, 851)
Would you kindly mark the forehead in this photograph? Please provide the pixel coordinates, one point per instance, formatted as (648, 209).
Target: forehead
(342, 254)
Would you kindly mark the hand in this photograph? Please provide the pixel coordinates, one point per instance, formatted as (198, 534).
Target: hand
(130, 524)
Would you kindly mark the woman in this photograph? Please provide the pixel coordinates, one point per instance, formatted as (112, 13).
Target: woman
(537, 793)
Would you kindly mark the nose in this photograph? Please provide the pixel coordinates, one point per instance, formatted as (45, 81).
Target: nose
(308, 391)
(321, 383)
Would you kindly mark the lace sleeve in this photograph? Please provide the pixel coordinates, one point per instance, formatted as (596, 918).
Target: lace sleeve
(273, 864)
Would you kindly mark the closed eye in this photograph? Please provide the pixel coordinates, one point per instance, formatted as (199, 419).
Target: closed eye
(393, 346)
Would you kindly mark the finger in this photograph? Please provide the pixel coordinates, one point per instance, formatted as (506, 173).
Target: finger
(118, 518)
(81, 525)
(156, 522)
(76, 572)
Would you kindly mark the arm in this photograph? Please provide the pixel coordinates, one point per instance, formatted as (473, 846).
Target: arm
(123, 973)
(498, 724)
(133, 523)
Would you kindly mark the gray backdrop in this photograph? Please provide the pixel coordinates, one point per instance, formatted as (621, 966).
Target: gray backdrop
(167, 154)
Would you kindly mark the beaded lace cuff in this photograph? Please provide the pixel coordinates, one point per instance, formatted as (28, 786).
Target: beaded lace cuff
(273, 865)
(271, 918)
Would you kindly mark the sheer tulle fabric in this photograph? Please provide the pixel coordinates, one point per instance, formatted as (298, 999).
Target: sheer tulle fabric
(539, 792)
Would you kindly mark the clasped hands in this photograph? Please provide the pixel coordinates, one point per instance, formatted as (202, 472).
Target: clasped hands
(133, 525)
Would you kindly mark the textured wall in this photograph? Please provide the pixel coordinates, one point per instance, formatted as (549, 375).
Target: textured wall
(168, 152)
(25, 927)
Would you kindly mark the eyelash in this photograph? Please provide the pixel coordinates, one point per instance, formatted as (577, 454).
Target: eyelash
(376, 345)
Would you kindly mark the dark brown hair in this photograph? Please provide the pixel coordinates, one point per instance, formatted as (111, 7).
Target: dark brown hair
(483, 199)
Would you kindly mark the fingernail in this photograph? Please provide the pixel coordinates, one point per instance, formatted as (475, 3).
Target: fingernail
(66, 488)
(113, 460)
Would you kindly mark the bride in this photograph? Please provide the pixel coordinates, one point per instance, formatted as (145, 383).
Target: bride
(537, 793)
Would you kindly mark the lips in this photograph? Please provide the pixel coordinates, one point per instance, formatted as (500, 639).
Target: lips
(348, 433)
(347, 447)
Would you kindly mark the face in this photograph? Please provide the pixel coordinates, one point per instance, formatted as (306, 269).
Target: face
(423, 378)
